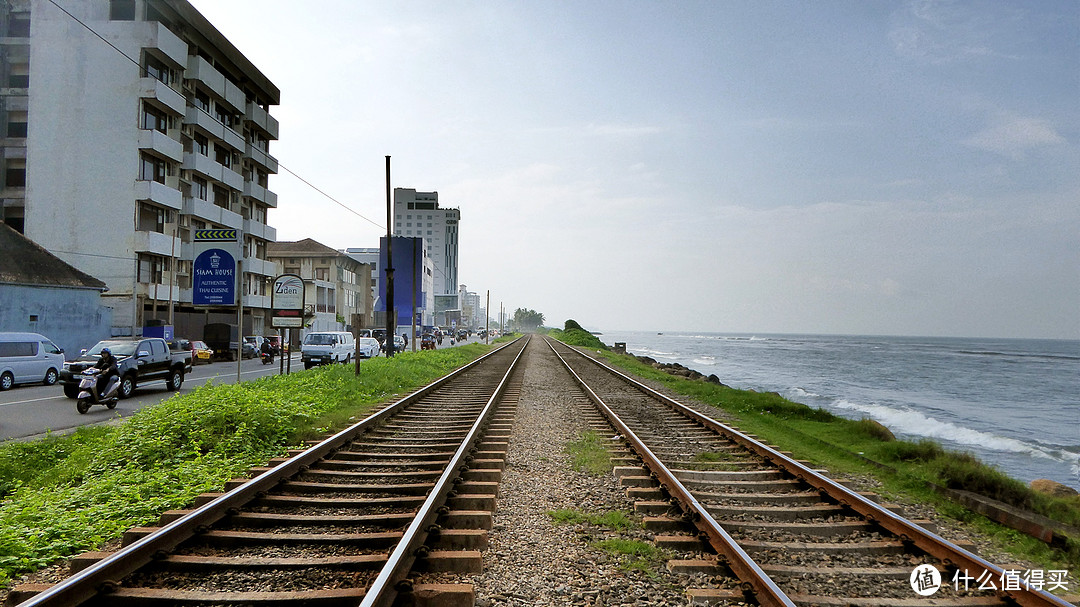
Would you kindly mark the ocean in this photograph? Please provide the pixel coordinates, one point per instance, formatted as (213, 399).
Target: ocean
(1014, 403)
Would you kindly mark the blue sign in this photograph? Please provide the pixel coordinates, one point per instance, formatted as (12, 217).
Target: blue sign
(214, 279)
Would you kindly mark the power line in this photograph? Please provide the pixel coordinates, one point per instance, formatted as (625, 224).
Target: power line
(281, 166)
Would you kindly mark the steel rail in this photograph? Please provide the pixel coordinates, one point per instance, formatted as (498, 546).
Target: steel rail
(383, 590)
(950, 554)
(103, 576)
(755, 582)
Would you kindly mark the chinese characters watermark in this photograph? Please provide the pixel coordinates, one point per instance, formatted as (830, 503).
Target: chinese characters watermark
(925, 580)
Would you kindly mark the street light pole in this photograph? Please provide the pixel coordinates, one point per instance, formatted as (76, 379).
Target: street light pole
(391, 325)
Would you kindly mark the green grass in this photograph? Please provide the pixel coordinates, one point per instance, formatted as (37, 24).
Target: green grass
(633, 554)
(616, 520)
(67, 494)
(589, 454)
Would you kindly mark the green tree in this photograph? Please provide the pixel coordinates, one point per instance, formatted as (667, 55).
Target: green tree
(527, 320)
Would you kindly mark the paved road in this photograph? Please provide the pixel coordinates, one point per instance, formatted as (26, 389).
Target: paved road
(32, 410)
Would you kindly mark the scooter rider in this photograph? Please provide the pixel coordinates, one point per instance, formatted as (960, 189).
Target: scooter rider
(107, 364)
(267, 349)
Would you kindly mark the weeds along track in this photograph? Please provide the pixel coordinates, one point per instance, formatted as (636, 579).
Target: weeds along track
(343, 522)
(791, 535)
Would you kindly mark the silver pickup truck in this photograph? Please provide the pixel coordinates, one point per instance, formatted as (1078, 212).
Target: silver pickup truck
(139, 360)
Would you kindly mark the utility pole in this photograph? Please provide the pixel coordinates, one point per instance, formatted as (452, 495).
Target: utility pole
(391, 325)
(487, 318)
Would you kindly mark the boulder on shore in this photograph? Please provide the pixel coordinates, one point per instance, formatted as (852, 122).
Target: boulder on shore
(881, 431)
(1052, 488)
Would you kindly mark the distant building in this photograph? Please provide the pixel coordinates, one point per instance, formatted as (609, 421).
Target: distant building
(336, 285)
(115, 152)
(39, 293)
(418, 214)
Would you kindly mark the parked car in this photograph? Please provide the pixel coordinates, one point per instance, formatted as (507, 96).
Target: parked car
(367, 347)
(327, 347)
(139, 360)
(399, 344)
(201, 353)
(427, 341)
(28, 358)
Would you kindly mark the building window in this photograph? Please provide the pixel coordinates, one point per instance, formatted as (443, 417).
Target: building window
(221, 197)
(16, 126)
(122, 10)
(154, 119)
(19, 26)
(19, 76)
(322, 273)
(152, 268)
(202, 144)
(153, 169)
(223, 115)
(222, 155)
(15, 177)
(198, 188)
(152, 218)
(156, 69)
(202, 101)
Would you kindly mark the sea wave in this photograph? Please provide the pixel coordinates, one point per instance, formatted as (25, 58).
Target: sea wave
(914, 423)
(705, 360)
(655, 353)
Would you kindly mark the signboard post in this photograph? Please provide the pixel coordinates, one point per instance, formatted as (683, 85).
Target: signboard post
(214, 270)
(287, 305)
(215, 274)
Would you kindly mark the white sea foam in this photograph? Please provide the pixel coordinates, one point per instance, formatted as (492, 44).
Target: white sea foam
(915, 423)
(705, 360)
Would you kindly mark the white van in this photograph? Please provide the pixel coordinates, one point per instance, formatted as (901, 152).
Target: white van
(327, 347)
(27, 358)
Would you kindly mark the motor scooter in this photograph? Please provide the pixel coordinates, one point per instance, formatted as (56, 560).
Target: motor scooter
(88, 391)
(267, 357)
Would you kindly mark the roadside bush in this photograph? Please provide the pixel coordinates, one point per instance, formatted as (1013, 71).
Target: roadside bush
(68, 494)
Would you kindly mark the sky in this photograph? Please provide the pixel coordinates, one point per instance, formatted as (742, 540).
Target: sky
(844, 167)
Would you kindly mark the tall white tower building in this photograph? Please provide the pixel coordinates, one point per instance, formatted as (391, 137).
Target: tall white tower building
(418, 214)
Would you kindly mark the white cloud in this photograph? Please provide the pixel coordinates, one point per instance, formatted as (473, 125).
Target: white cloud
(1013, 136)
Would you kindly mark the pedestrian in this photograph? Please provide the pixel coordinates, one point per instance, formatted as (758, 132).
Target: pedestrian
(405, 336)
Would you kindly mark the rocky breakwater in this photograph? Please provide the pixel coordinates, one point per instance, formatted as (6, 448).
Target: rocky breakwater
(680, 370)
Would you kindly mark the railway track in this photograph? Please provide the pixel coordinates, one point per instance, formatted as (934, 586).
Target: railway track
(343, 522)
(407, 495)
(790, 535)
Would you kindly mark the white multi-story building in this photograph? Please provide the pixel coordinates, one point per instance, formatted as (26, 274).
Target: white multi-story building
(418, 214)
(129, 146)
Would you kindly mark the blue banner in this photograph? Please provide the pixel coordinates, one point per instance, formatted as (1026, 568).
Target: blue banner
(214, 279)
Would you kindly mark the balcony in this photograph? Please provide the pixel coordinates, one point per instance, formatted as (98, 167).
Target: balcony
(260, 230)
(234, 97)
(232, 179)
(159, 37)
(254, 190)
(232, 138)
(200, 69)
(158, 193)
(208, 211)
(156, 243)
(161, 143)
(255, 113)
(159, 292)
(261, 158)
(204, 165)
(257, 301)
(260, 267)
(152, 88)
(206, 122)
